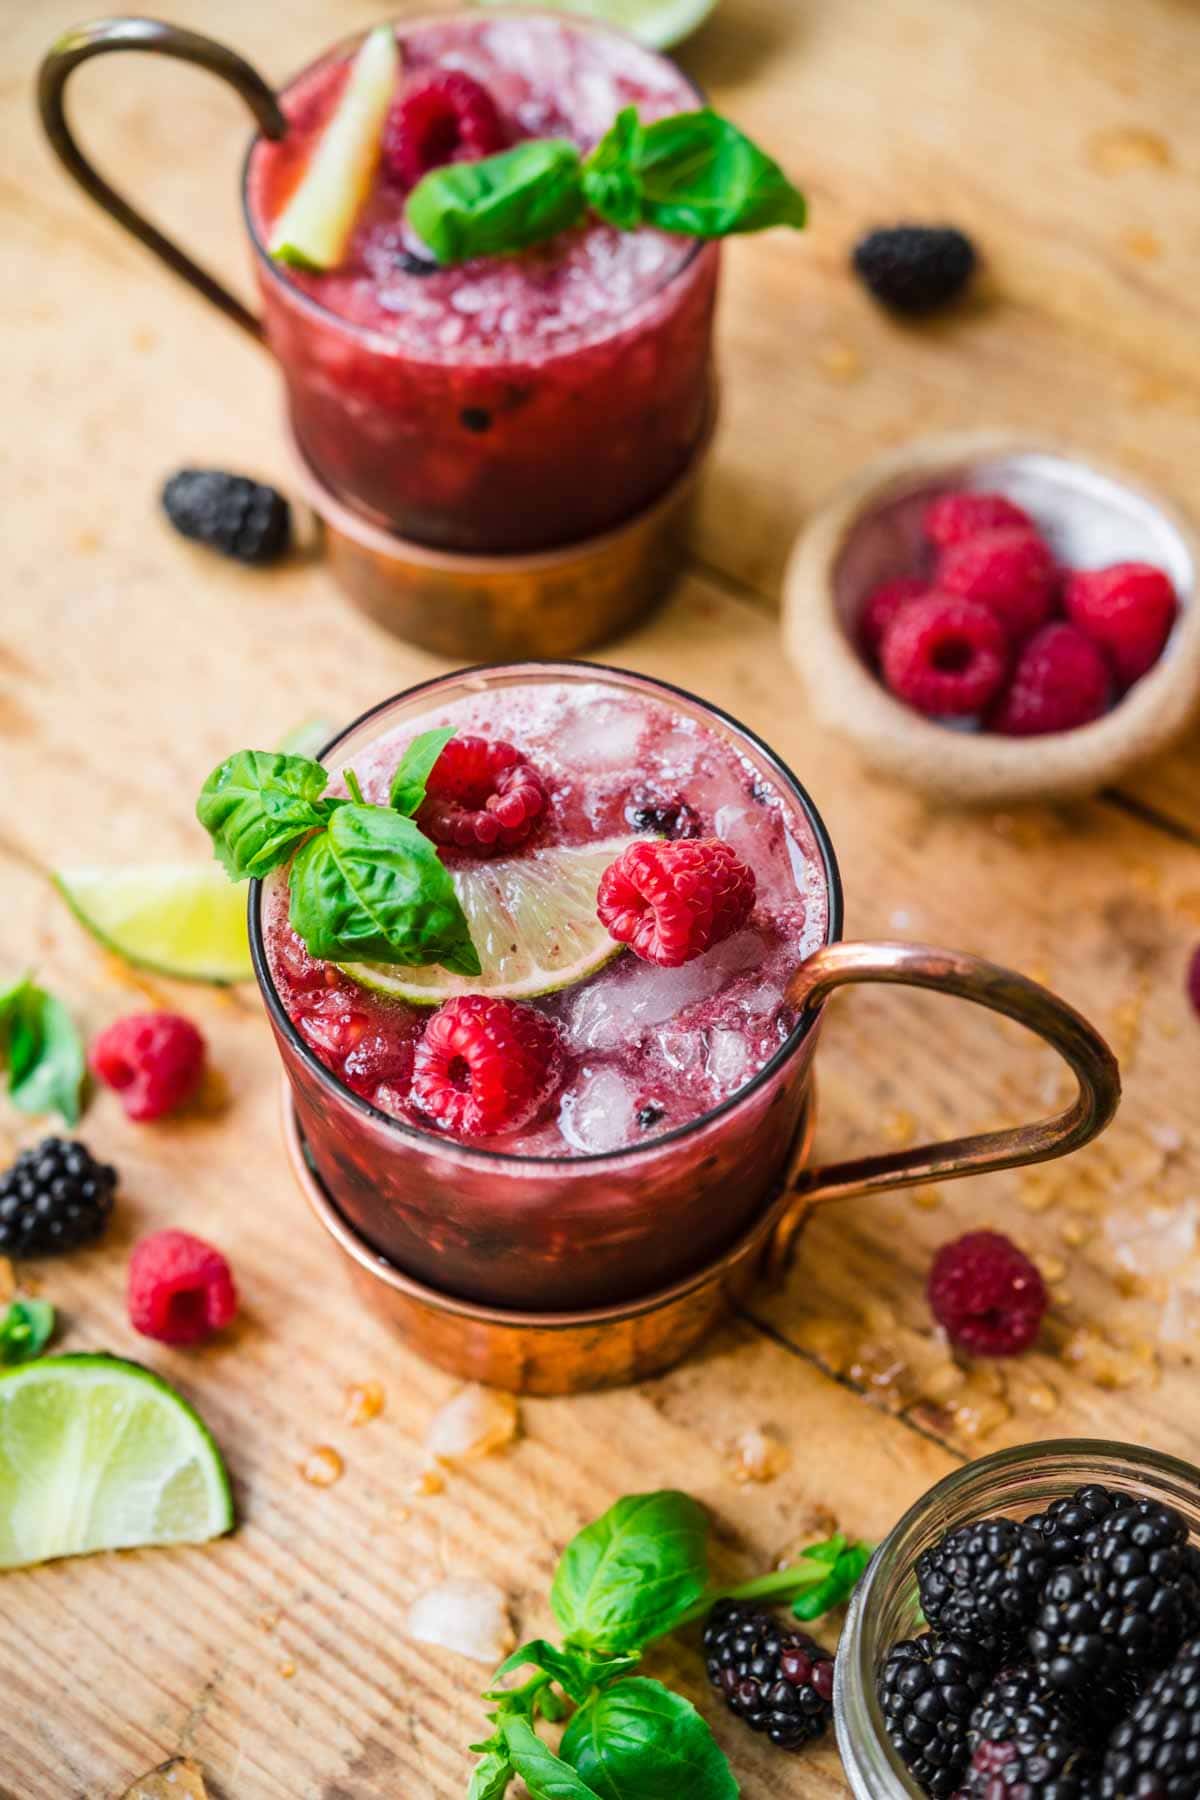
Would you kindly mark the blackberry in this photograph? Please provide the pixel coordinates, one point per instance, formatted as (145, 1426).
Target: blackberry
(55, 1197)
(1068, 1645)
(1145, 1574)
(669, 818)
(928, 1690)
(778, 1681)
(984, 1581)
(915, 268)
(1154, 1753)
(230, 513)
(649, 1114)
(1027, 1740)
(1066, 1522)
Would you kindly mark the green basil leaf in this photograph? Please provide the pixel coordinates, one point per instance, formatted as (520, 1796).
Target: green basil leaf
(545, 1775)
(631, 1574)
(25, 1330)
(577, 1672)
(415, 767)
(258, 805)
(694, 173)
(838, 1584)
(500, 203)
(639, 1741)
(44, 1052)
(490, 1778)
(372, 888)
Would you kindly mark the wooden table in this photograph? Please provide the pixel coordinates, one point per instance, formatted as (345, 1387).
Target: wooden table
(1062, 134)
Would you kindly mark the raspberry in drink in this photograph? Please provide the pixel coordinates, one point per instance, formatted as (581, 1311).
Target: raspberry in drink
(511, 402)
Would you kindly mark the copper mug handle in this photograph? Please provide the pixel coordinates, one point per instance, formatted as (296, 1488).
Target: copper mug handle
(1000, 990)
(98, 38)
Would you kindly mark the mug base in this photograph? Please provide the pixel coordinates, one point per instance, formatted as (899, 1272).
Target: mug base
(550, 1353)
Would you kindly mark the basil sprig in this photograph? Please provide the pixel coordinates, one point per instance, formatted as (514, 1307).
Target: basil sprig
(637, 1572)
(42, 1051)
(366, 884)
(25, 1330)
(693, 173)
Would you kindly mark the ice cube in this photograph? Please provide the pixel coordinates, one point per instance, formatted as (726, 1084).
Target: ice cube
(623, 1005)
(761, 1000)
(680, 1050)
(604, 734)
(597, 1113)
(727, 1060)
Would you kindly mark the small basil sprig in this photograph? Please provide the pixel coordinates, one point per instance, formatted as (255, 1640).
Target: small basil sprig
(634, 1574)
(25, 1330)
(42, 1051)
(694, 173)
(366, 884)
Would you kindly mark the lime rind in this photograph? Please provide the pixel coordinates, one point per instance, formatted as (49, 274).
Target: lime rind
(532, 919)
(99, 1453)
(659, 24)
(182, 920)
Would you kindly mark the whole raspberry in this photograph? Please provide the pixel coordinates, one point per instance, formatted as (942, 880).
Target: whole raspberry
(881, 606)
(444, 117)
(1061, 681)
(1010, 570)
(954, 517)
(945, 656)
(671, 902)
(481, 796)
(485, 1066)
(1127, 609)
(180, 1289)
(987, 1295)
(154, 1061)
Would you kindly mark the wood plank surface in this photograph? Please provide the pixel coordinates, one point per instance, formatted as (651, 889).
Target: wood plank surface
(1061, 134)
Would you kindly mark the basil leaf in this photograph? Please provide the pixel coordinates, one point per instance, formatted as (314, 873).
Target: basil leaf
(258, 805)
(43, 1050)
(631, 1574)
(500, 203)
(639, 1741)
(694, 173)
(490, 1778)
(414, 770)
(838, 1584)
(577, 1672)
(25, 1330)
(545, 1775)
(372, 888)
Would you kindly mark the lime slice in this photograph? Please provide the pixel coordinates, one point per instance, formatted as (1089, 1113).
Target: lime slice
(181, 919)
(308, 738)
(99, 1454)
(656, 23)
(313, 229)
(533, 921)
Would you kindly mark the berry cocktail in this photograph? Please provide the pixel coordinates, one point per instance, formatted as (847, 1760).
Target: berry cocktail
(509, 402)
(608, 1101)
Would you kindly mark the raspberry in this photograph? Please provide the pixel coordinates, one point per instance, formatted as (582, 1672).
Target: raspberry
(1060, 681)
(153, 1060)
(1128, 610)
(1010, 570)
(481, 796)
(947, 657)
(446, 117)
(987, 1294)
(671, 902)
(1193, 979)
(485, 1066)
(954, 517)
(915, 268)
(881, 606)
(180, 1289)
(241, 518)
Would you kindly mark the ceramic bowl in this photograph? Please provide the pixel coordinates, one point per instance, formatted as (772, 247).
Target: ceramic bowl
(871, 529)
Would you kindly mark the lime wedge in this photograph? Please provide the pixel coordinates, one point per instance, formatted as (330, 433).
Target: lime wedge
(656, 23)
(313, 229)
(533, 921)
(182, 919)
(99, 1454)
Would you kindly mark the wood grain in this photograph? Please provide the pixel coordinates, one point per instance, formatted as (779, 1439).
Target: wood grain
(1059, 132)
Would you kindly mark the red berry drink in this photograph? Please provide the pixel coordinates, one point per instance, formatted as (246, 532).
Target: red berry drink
(508, 403)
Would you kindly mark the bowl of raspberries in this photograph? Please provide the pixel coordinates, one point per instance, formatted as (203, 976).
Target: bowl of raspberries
(1030, 1630)
(995, 622)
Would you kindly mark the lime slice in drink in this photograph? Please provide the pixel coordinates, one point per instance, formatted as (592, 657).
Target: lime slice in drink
(656, 23)
(182, 919)
(308, 738)
(99, 1454)
(533, 921)
(313, 229)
